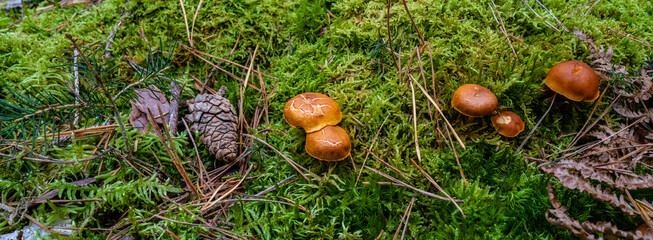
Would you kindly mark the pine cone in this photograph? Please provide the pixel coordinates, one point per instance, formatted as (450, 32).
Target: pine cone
(215, 119)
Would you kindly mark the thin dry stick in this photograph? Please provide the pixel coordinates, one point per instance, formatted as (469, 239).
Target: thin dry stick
(502, 26)
(437, 186)
(192, 28)
(183, 10)
(536, 125)
(371, 147)
(413, 21)
(392, 53)
(540, 17)
(409, 186)
(554, 16)
(292, 163)
(439, 111)
(412, 90)
(403, 217)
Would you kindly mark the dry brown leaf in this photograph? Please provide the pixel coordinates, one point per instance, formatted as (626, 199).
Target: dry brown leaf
(148, 100)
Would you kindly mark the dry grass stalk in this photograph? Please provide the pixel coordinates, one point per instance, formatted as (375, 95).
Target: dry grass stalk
(183, 10)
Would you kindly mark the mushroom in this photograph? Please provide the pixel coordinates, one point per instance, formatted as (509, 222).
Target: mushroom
(312, 111)
(474, 101)
(643, 228)
(328, 144)
(508, 124)
(574, 80)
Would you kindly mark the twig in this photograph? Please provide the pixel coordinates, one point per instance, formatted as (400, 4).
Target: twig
(107, 47)
(439, 111)
(537, 124)
(370, 149)
(175, 91)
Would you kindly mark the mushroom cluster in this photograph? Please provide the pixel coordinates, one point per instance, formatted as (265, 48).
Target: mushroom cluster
(318, 115)
(473, 100)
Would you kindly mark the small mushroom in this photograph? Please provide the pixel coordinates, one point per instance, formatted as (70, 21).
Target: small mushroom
(474, 101)
(574, 80)
(508, 124)
(643, 228)
(312, 111)
(328, 144)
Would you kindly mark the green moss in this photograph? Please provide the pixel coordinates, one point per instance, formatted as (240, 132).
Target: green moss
(505, 198)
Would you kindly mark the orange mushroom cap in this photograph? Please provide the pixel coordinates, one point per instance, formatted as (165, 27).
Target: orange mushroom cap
(474, 100)
(508, 124)
(312, 111)
(574, 80)
(643, 228)
(328, 144)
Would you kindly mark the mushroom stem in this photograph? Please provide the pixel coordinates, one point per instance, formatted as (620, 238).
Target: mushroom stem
(536, 124)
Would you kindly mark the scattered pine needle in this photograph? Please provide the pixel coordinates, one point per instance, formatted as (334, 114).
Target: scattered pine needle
(437, 186)
(371, 147)
(439, 111)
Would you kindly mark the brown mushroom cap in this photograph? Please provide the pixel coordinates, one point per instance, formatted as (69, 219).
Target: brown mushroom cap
(574, 80)
(312, 111)
(329, 144)
(643, 228)
(508, 124)
(474, 100)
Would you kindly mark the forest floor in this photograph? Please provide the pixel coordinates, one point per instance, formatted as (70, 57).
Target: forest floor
(68, 152)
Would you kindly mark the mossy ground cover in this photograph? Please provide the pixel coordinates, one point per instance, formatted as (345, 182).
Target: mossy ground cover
(505, 196)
